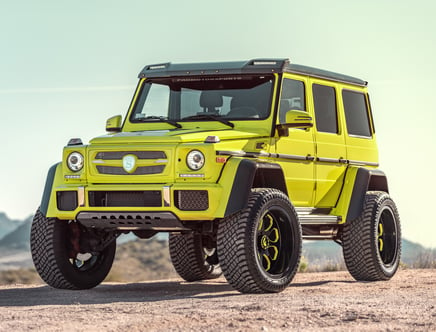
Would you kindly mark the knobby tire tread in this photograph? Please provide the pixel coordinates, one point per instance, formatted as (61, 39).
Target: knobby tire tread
(43, 254)
(232, 250)
(359, 246)
(188, 259)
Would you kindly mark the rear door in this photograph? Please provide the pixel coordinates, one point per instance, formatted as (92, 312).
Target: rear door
(331, 154)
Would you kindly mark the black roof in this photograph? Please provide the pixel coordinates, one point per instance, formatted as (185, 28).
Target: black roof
(255, 66)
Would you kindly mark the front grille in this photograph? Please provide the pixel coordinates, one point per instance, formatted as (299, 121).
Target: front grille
(147, 162)
(150, 198)
(143, 170)
(116, 155)
(191, 200)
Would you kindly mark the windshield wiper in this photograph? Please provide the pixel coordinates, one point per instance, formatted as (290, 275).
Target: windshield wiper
(210, 117)
(161, 119)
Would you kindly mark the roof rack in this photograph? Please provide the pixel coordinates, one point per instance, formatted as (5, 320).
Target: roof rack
(254, 66)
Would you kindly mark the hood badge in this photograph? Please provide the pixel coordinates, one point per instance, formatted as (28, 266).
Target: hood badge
(129, 163)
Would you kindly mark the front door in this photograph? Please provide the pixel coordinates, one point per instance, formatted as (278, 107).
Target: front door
(296, 152)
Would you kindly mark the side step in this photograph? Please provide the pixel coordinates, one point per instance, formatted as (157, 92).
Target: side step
(317, 224)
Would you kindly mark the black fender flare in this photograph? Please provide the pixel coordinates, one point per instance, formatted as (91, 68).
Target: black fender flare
(251, 174)
(48, 189)
(366, 180)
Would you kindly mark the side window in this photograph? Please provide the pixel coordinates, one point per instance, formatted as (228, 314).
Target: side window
(326, 117)
(292, 98)
(356, 113)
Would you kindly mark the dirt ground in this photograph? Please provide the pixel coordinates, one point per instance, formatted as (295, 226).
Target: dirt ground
(329, 301)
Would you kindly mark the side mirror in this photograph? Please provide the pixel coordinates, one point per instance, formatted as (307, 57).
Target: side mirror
(113, 124)
(295, 119)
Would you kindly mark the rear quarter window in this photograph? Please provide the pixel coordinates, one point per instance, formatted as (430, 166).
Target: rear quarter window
(356, 113)
(324, 99)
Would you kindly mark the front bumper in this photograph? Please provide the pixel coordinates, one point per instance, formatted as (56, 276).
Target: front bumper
(147, 206)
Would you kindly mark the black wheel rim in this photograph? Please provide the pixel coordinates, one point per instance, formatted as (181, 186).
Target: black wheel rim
(81, 260)
(85, 265)
(210, 256)
(387, 237)
(274, 242)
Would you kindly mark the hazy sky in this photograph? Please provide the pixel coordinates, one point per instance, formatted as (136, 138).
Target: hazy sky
(66, 66)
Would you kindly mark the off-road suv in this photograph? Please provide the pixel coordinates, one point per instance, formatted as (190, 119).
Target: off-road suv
(239, 162)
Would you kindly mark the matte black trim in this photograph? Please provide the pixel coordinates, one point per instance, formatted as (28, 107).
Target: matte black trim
(378, 181)
(191, 200)
(269, 175)
(131, 198)
(66, 200)
(358, 196)
(134, 220)
(365, 180)
(47, 189)
(255, 66)
(276, 105)
(241, 188)
(321, 73)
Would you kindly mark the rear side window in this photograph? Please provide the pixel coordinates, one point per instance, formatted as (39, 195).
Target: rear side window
(326, 117)
(356, 113)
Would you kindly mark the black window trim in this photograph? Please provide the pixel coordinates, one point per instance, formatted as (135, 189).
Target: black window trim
(368, 113)
(338, 122)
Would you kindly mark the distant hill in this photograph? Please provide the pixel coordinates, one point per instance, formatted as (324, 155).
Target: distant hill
(7, 225)
(320, 252)
(18, 238)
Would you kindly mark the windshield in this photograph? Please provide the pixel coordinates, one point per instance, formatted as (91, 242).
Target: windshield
(241, 97)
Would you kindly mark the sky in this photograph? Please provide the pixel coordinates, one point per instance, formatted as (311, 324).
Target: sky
(67, 66)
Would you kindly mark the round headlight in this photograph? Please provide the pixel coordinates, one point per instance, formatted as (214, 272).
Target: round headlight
(75, 161)
(195, 160)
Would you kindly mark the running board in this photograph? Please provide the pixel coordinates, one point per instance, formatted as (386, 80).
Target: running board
(310, 216)
(317, 224)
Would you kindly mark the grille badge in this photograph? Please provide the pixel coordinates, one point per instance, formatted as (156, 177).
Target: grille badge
(129, 163)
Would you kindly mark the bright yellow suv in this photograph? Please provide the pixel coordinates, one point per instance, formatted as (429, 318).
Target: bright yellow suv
(239, 162)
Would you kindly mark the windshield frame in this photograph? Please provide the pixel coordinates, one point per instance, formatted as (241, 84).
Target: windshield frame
(228, 86)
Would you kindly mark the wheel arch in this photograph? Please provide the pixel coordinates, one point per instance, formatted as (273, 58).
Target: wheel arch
(48, 188)
(251, 174)
(365, 180)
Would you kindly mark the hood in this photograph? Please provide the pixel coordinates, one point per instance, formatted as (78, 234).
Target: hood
(172, 136)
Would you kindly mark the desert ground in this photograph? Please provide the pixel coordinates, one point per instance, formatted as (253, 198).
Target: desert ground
(328, 301)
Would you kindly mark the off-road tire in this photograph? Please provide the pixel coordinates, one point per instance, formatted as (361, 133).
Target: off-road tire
(191, 259)
(372, 252)
(50, 254)
(246, 242)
